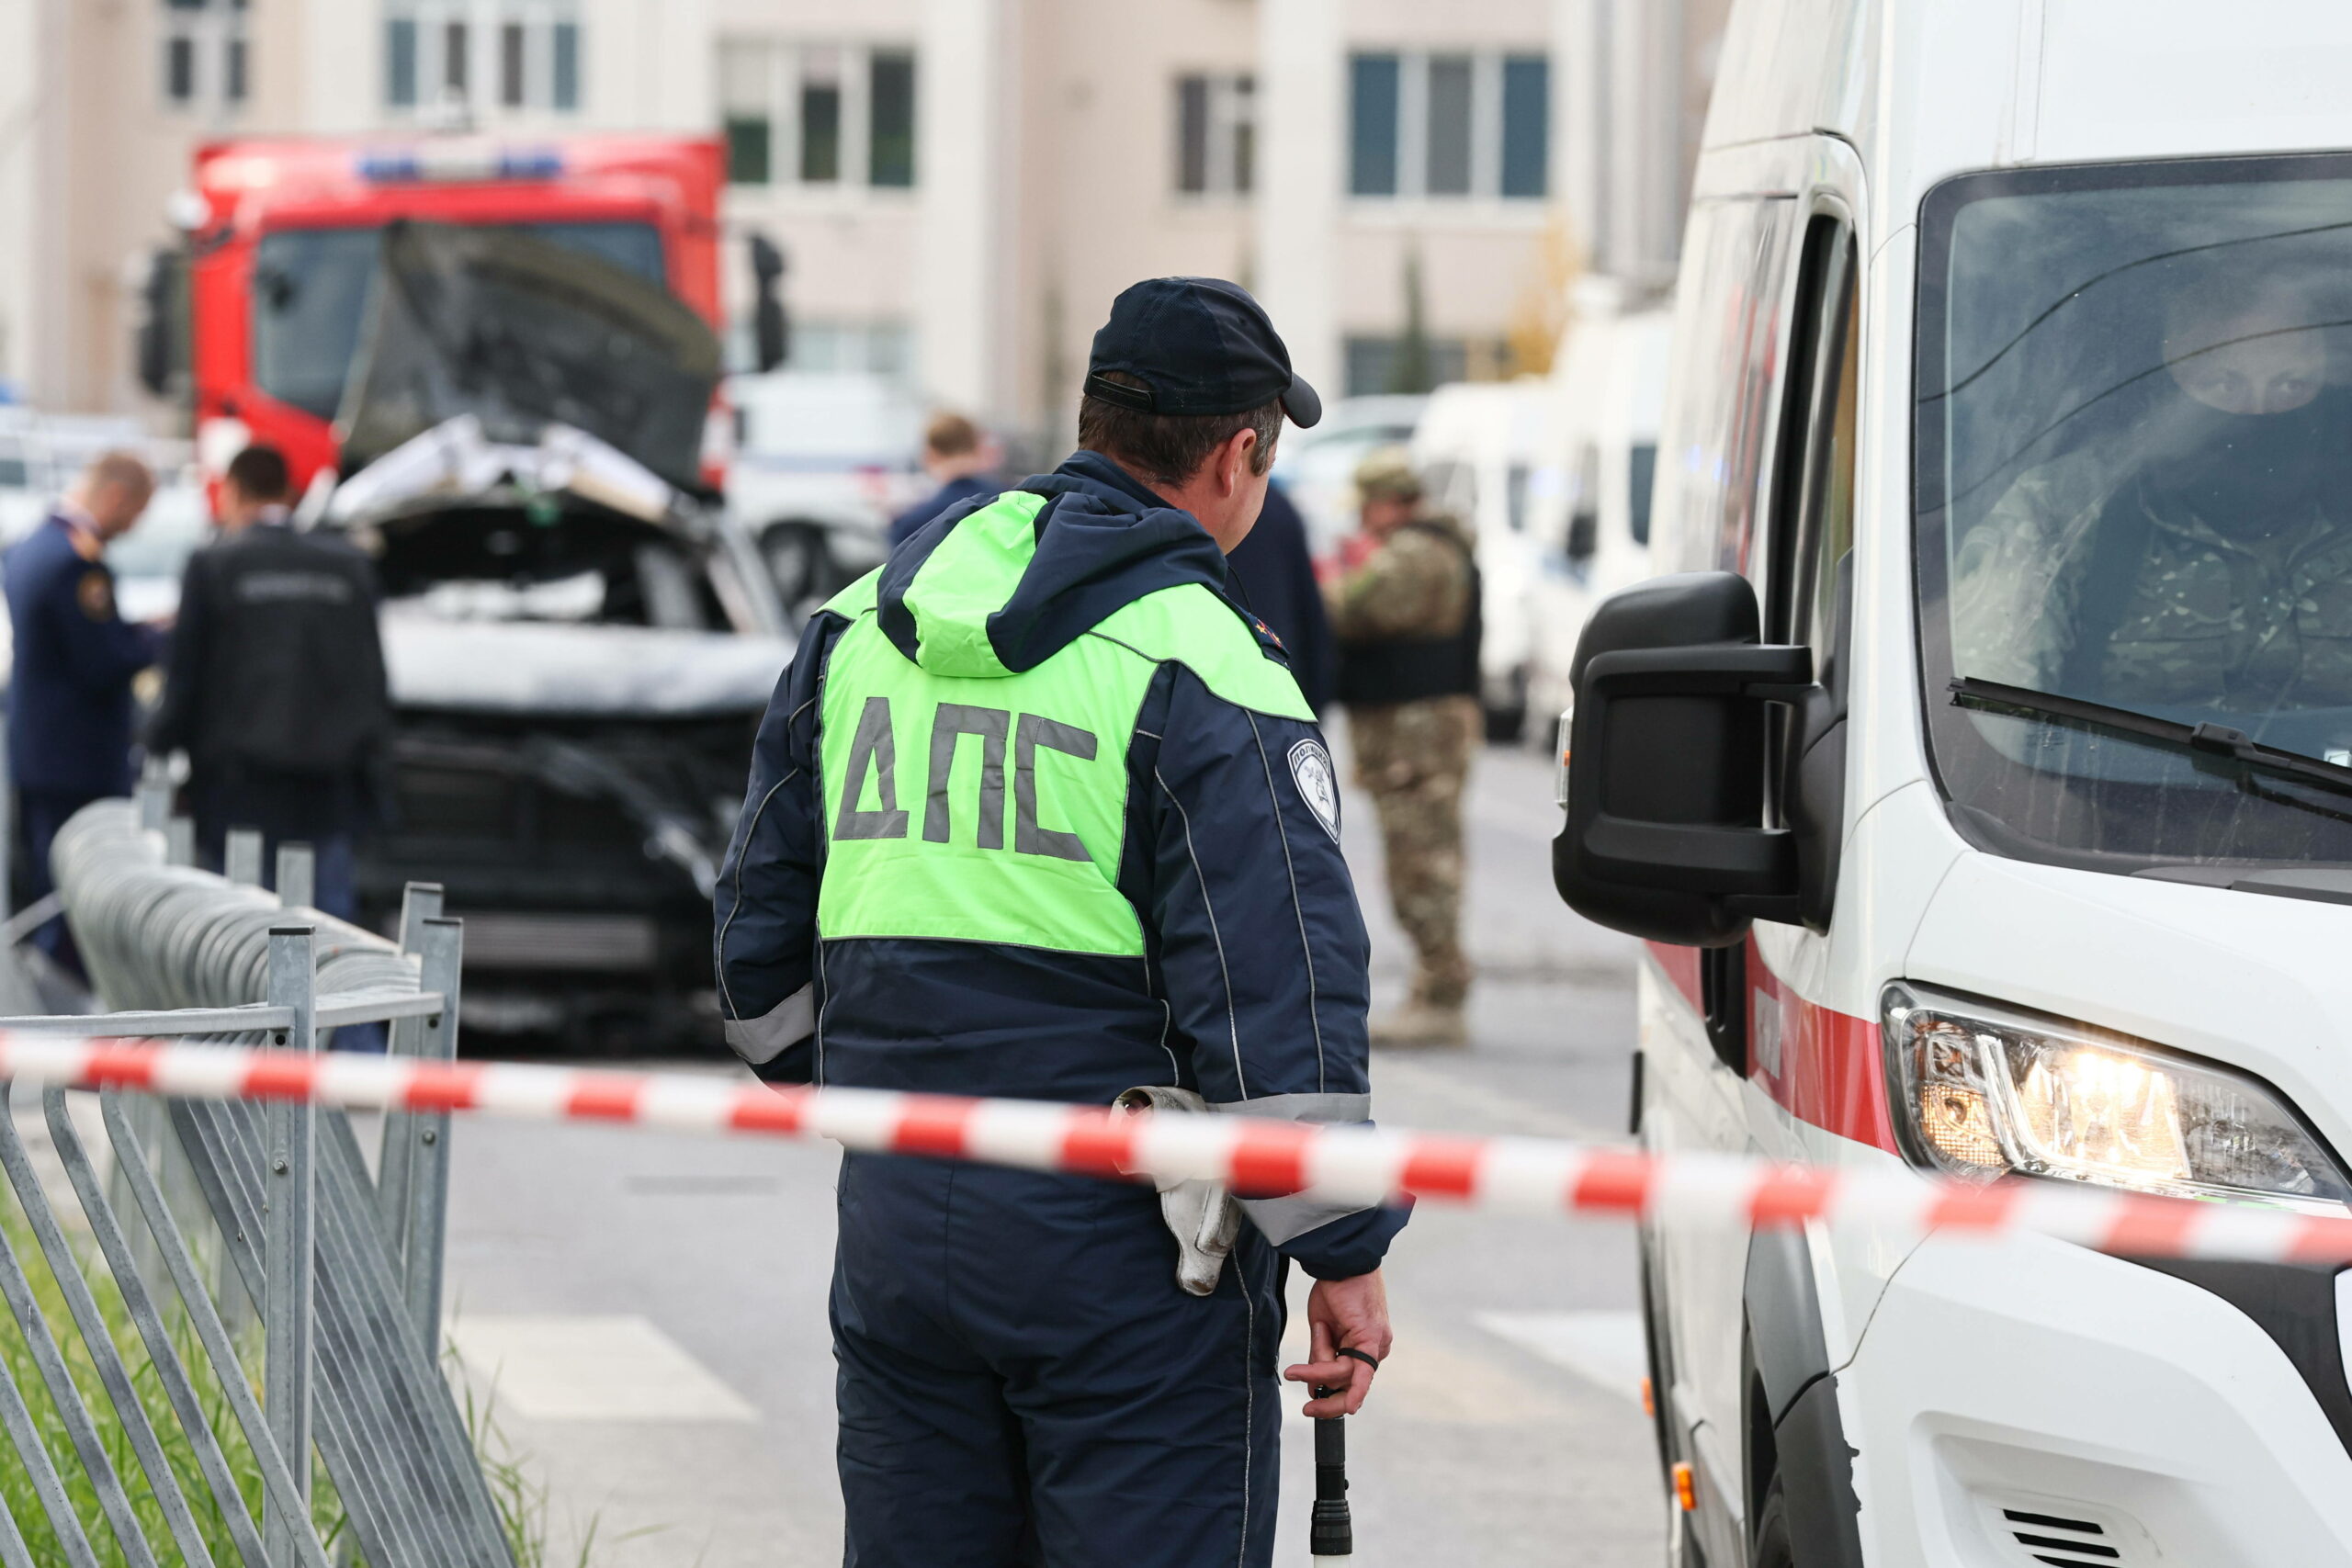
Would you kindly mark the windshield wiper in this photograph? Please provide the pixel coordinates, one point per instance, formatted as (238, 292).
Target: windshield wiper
(2208, 738)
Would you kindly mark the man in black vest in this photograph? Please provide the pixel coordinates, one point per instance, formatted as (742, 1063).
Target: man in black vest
(276, 684)
(1406, 617)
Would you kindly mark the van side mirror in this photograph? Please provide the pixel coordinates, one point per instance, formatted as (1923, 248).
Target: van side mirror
(1665, 761)
(770, 327)
(162, 346)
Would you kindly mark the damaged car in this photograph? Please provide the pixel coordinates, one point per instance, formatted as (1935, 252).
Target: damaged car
(580, 644)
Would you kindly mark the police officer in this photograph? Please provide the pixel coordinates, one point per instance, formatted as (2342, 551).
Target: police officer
(1406, 617)
(70, 709)
(958, 459)
(1274, 574)
(1039, 811)
(276, 686)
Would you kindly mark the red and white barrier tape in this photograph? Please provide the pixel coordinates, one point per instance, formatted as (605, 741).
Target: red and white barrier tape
(1257, 1158)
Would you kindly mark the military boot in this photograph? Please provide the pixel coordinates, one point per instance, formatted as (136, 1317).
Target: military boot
(1420, 1024)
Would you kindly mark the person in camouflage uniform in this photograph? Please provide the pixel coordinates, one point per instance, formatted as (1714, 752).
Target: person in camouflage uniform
(2215, 574)
(1405, 614)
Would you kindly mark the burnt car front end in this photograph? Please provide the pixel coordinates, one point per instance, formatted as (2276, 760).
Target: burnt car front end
(580, 643)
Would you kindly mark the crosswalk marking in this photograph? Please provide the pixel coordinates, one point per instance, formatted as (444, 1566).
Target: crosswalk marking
(591, 1369)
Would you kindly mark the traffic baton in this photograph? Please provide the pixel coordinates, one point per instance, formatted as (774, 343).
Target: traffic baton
(1331, 1537)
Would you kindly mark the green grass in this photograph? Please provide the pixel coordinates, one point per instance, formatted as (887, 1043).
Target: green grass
(522, 1505)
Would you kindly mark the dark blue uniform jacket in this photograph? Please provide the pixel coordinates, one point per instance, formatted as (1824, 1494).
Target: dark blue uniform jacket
(1273, 574)
(1253, 987)
(946, 498)
(69, 700)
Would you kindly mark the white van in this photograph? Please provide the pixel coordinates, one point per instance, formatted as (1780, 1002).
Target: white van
(1592, 530)
(1479, 448)
(1983, 778)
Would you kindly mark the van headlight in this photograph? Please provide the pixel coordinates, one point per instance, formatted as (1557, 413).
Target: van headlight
(1982, 1091)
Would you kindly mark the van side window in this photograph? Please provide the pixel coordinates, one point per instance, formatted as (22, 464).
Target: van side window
(1641, 469)
(1584, 509)
(1811, 525)
(1727, 349)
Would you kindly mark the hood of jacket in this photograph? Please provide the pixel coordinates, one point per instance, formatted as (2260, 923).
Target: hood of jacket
(1001, 583)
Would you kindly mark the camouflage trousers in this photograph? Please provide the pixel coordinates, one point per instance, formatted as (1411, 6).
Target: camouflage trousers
(1413, 758)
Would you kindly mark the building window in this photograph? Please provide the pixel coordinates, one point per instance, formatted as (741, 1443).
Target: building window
(1527, 127)
(746, 92)
(890, 102)
(469, 56)
(1449, 126)
(820, 116)
(399, 63)
(1378, 364)
(453, 59)
(565, 89)
(1373, 124)
(204, 54)
(1447, 173)
(179, 70)
(1216, 133)
(510, 65)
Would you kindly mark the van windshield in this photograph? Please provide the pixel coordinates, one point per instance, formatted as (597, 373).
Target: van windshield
(2134, 489)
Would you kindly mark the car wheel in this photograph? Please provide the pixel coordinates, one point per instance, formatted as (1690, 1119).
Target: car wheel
(1506, 717)
(804, 570)
(1504, 725)
(1772, 1547)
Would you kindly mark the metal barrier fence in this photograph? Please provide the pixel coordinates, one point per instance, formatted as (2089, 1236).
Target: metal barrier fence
(238, 1211)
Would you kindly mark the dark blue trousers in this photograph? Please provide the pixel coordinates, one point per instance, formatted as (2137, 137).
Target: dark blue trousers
(45, 811)
(1022, 1382)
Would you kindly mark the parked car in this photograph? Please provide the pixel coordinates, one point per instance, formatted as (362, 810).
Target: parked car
(28, 475)
(1317, 467)
(1481, 453)
(1592, 531)
(1981, 778)
(822, 464)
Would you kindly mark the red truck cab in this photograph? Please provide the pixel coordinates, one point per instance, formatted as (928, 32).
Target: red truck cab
(281, 264)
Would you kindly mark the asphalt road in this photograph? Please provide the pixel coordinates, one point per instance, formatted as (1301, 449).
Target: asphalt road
(645, 1314)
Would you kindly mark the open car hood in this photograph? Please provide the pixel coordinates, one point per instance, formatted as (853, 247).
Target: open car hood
(557, 671)
(523, 336)
(455, 463)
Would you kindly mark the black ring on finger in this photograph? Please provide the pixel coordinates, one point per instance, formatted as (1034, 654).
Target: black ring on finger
(1366, 1357)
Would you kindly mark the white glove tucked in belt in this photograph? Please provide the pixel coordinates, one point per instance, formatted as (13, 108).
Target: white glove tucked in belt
(1200, 1215)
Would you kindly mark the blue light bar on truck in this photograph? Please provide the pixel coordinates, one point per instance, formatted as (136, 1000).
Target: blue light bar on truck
(458, 161)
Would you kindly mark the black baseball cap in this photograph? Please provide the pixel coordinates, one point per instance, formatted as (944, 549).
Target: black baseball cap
(1198, 345)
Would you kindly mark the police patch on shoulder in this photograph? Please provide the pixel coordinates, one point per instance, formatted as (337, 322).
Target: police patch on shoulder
(95, 593)
(1318, 786)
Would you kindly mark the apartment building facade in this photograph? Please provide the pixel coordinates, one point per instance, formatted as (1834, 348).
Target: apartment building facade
(960, 186)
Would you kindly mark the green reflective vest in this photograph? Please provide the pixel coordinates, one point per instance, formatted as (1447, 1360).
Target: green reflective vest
(963, 801)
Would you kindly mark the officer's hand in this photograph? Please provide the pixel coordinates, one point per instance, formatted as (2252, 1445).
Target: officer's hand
(1353, 1312)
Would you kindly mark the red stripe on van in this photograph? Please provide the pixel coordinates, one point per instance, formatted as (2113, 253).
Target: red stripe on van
(1830, 1075)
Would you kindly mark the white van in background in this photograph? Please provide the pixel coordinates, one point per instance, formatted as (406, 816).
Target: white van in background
(1317, 467)
(822, 462)
(1981, 780)
(1480, 451)
(1591, 532)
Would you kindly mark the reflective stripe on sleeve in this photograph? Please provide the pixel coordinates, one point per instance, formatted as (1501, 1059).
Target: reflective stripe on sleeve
(761, 1040)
